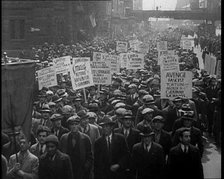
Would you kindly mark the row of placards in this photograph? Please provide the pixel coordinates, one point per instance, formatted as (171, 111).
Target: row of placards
(86, 73)
(135, 45)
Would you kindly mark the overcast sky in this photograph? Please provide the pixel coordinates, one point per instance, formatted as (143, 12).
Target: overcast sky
(162, 4)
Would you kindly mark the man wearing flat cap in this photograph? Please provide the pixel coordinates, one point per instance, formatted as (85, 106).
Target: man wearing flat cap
(162, 137)
(148, 157)
(110, 153)
(57, 129)
(103, 101)
(54, 164)
(147, 114)
(78, 146)
(172, 113)
(196, 135)
(184, 159)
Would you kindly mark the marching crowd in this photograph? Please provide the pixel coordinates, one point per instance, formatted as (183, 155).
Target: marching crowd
(122, 130)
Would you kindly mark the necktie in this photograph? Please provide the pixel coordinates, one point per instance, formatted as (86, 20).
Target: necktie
(41, 149)
(185, 149)
(108, 142)
(125, 133)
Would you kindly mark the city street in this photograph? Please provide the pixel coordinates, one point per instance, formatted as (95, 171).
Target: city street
(212, 155)
(211, 160)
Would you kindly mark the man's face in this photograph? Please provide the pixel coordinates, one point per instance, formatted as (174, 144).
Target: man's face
(147, 140)
(148, 117)
(51, 148)
(127, 123)
(24, 145)
(132, 90)
(178, 104)
(41, 137)
(74, 128)
(92, 91)
(46, 115)
(186, 138)
(107, 129)
(103, 96)
(57, 123)
(84, 122)
(157, 125)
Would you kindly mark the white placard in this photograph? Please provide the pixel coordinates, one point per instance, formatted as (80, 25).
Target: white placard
(187, 44)
(135, 61)
(174, 84)
(143, 48)
(47, 77)
(121, 47)
(170, 63)
(114, 65)
(99, 56)
(123, 60)
(62, 64)
(81, 73)
(101, 72)
(163, 53)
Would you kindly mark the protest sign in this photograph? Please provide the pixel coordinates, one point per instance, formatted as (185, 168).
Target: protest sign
(134, 44)
(101, 72)
(143, 48)
(163, 53)
(81, 74)
(123, 60)
(187, 44)
(47, 77)
(62, 64)
(135, 61)
(170, 63)
(114, 65)
(161, 45)
(218, 69)
(99, 56)
(121, 47)
(174, 84)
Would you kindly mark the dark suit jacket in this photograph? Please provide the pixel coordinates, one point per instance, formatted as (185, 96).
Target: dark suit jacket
(85, 153)
(59, 168)
(34, 149)
(133, 137)
(196, 139)
(103, 159)
(171, 117)
(184, 166)
(62, 130)
(148, 164)
(165, 141)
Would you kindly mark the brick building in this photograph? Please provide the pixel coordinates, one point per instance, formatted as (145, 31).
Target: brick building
(29, 23)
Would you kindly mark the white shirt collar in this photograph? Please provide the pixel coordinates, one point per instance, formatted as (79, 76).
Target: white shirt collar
(183, 146)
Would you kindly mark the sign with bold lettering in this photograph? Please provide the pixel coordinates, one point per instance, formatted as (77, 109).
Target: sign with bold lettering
(121, 47)
(62, 64)
(163, 53)
(101, 72)
(162, 45)
(174, 84)
(135, 61)
(170, 63)
(123, 60)
(187, 44)
(81, 73)
(47, 77)
(99, 56)
(114, 65)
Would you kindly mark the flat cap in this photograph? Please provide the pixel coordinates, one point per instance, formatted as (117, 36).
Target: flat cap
(56, 117)
(147, 110)
(52, 139)
(73, 120)
(158, 119)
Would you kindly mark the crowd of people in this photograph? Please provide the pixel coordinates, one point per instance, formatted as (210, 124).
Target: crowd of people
(122, 130)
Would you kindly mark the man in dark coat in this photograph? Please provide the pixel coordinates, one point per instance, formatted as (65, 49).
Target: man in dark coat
(110, 153)
(54, 164)
(184, 160)
(148, 157)
(57, 129)
(78, 146)
(162, 137)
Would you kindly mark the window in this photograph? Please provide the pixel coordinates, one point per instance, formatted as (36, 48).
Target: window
(17, 29)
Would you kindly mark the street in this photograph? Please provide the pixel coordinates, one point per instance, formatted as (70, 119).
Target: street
(211, 159)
